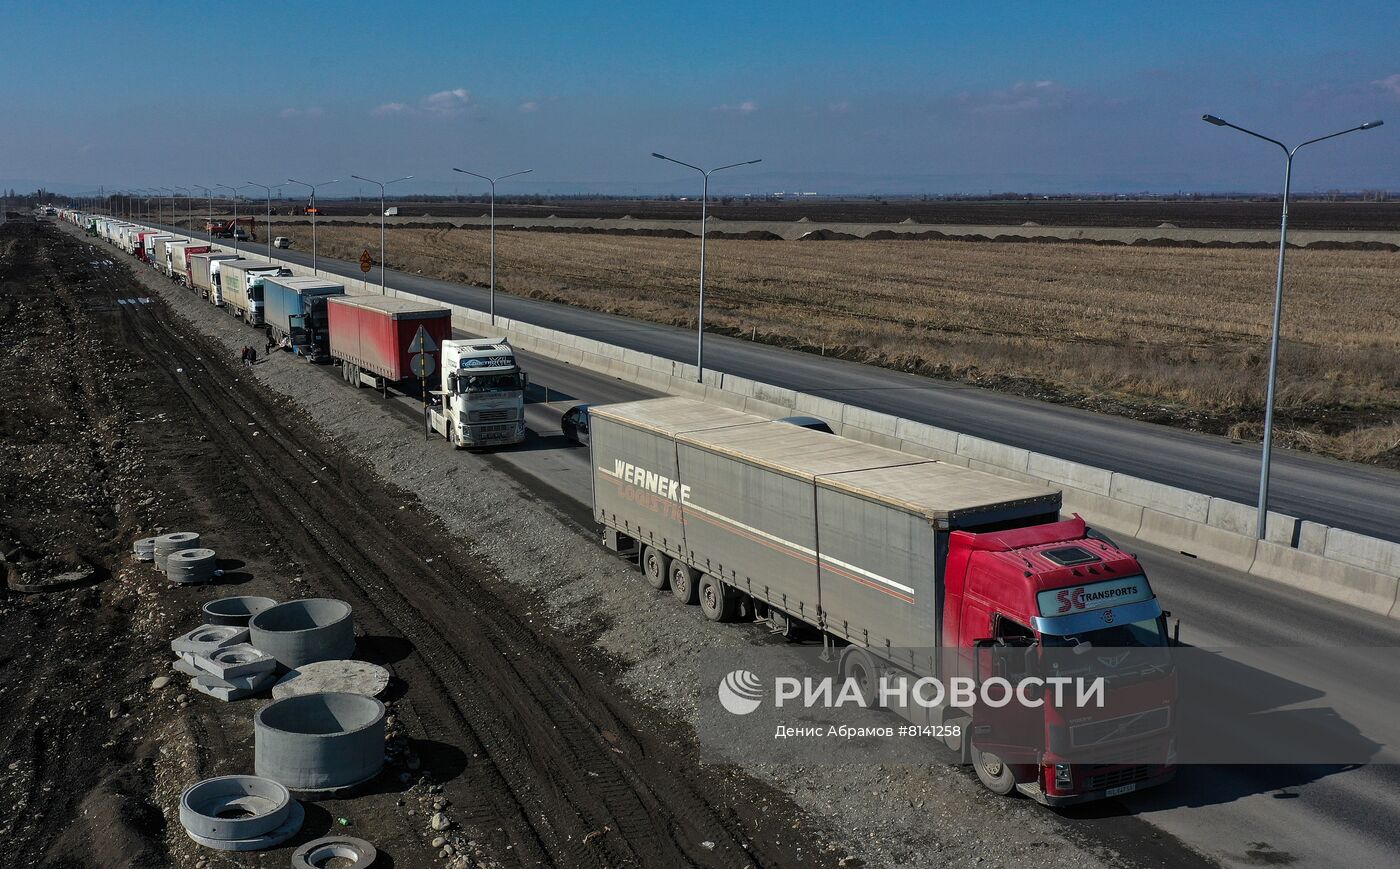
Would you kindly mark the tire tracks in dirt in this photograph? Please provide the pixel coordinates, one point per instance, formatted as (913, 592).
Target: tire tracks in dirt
(558, 771)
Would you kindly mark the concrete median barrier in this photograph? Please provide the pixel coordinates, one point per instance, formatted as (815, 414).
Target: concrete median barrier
(1162, 498)
(1067, 473)
(1362, 551)
(1198, 539)
(1355, 586)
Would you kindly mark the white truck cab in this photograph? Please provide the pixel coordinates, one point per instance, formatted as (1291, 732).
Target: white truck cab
(481, 400)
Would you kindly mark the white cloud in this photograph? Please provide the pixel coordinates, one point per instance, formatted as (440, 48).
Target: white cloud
(1390, 83)
(530, 106)
(1023, 96)
(452, 102)
(747, 107)
(839, 108)
(442, 104)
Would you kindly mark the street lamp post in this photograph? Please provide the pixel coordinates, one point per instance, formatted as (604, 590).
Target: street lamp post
(189, 208)
(704, 205)
(209, 229)
(314, 209)
(492, 182)
(234, 190)
(381, 220)
(1263, 507)
(269, 216)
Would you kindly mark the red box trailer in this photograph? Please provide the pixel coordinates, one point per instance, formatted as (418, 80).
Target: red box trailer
(371, 335)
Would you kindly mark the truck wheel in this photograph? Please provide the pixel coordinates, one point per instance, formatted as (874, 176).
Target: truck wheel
(355, 380)
(452, 436)
(656, 567)
(859, 667)
(993, 772)
(684, 583)
(717, 601)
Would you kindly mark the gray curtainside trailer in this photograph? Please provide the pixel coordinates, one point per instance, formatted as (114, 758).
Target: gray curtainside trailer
(845, 536)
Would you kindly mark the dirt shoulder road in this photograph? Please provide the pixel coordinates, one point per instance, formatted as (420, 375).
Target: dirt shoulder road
(513, 726)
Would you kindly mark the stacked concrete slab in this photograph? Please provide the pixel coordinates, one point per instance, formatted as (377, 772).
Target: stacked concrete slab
(221, 664)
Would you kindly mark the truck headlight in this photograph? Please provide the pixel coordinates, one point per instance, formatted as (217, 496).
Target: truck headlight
(1064, 778)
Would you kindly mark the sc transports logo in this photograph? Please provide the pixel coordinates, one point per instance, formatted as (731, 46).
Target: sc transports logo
(740, 692)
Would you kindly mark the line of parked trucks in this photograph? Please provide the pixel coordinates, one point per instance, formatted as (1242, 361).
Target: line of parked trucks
(912, 567)
(479, 401)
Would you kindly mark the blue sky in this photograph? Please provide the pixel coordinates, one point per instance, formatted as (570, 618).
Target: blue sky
(835, 97)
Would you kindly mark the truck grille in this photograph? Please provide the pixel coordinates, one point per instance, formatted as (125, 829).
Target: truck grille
(502, 415)
(496, 432)
(1123, 727)
(1118, 777)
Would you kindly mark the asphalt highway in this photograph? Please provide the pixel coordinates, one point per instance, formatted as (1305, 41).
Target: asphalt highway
(1359, 498)
(1238, 816)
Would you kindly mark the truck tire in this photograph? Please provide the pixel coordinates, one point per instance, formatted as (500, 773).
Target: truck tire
(684, 582)
(452, 436)
(355, 380)
(717, 601)
(858, 666)
(993, 772)
(656, 567)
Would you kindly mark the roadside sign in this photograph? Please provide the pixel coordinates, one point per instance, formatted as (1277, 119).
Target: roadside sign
(422, 342)
(423, 365)
(366, 261)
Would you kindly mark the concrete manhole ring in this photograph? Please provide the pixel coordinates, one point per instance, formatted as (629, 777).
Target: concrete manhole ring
(234, 807)
(317, 853)
(319, 742)
(296, 815)
(305, 631)
(235, 610)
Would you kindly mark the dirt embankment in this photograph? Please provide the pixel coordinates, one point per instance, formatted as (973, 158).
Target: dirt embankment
(122, 422)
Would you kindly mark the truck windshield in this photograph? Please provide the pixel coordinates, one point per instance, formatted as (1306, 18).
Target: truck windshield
(478, 383)
(1146, 633)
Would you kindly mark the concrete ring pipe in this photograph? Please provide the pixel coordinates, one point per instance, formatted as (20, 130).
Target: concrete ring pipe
(319, 742)
(235, 610)
(304, 631)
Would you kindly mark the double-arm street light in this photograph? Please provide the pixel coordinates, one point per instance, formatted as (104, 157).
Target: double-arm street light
(235, 212)
(209, 229)
(189, 208)
(269, 216)
(160, 204)
(381, 220)
(1263, 508)
(492, 182)
(704, 205)
(313, 187)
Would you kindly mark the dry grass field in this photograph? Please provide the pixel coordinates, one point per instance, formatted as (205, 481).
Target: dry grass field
(1174, 335)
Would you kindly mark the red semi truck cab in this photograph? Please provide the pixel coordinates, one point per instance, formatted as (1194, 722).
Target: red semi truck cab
(1078, 605)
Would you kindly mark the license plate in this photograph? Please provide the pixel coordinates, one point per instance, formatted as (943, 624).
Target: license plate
(1120, 790)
